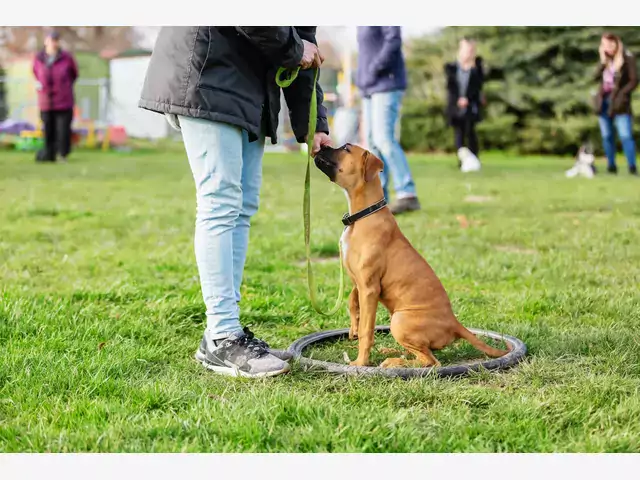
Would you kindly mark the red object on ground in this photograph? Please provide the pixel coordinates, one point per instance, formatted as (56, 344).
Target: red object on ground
(117, 135)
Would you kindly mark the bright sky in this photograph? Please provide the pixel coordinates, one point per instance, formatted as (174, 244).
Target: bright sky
(149, 33)
(407, 32)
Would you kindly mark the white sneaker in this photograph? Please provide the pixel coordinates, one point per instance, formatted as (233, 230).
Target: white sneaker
(468, 161)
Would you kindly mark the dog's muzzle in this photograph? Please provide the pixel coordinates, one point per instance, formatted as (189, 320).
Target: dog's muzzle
(326, 164)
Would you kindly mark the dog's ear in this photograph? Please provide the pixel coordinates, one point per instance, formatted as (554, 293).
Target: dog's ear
(372, 165)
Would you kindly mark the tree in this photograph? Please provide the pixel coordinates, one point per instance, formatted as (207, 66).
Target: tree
(3, 96)
(21, 40)
(539, 85)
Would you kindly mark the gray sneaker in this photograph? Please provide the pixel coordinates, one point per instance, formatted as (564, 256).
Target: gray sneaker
(241, 355)
(402, 205)
(281, 354)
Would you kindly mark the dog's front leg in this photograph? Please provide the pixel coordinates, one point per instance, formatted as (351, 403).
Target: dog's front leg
(354, 313)
(368, 299)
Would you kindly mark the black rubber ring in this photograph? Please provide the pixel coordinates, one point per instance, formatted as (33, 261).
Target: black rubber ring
(517, 352)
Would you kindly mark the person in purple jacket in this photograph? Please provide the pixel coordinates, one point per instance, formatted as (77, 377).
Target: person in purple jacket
(382, 80)
(56, 72)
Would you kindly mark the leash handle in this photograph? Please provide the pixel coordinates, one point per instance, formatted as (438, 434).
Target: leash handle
(291, 75)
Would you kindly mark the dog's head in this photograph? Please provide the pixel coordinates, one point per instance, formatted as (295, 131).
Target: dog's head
(349, 166)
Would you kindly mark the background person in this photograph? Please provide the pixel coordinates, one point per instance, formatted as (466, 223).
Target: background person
(217, 85)
(464, 79)
(382, 80)
(56, 72)
(618, 77)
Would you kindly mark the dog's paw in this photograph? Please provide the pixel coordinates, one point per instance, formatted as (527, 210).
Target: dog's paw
(359, 363)
(392, 363)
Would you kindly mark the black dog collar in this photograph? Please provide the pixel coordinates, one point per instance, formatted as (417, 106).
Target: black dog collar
(351, 219)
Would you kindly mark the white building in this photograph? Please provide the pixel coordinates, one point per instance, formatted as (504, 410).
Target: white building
(126, 77)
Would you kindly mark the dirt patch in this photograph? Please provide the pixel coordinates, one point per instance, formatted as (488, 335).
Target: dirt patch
(464, 222)
(515, 249)
(478, 199)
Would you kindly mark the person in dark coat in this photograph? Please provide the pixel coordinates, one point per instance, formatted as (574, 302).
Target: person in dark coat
(464, 79)
(217, 86)
(56, 72)
(382, 80)
(617, 77)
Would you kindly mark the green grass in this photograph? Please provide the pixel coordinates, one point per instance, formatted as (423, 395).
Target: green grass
(100, 312)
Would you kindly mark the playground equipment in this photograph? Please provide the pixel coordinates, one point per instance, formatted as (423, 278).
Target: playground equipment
(30, 141)
(93, 133)
(98, 134)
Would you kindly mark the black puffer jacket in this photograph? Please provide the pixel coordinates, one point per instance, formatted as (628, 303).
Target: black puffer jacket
(473, 94)
(227, 74)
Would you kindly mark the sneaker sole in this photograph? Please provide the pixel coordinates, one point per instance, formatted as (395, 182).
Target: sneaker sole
(234, 372)
(276, 353)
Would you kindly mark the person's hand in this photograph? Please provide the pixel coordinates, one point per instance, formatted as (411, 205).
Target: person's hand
(463, 102)
(320, 139)
(311, 57)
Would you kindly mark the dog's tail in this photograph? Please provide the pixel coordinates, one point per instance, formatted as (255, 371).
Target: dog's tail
(479, 344)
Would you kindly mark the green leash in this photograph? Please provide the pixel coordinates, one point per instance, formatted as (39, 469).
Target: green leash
(306, 204)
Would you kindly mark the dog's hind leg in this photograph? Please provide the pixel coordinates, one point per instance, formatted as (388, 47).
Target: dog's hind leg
(424, 358)
(414, 340)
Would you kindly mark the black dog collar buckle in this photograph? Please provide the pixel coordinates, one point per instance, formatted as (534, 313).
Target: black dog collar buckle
(348, 220)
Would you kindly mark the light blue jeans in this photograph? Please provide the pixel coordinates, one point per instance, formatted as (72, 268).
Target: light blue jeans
(625, 132)
(380, 114)
(227, 170)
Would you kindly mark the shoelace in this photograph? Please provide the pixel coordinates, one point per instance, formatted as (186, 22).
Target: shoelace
(250, 334)
(253, 344)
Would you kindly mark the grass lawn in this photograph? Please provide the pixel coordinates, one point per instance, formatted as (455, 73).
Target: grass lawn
(100, 312)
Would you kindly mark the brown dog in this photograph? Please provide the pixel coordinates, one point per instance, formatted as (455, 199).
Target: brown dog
(385, 267)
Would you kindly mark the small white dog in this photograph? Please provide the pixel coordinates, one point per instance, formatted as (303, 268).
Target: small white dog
(468, 161)
(584, 165)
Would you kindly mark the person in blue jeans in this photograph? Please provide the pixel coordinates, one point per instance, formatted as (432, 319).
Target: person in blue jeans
(217, 86)
(617, 77)
(382, 80)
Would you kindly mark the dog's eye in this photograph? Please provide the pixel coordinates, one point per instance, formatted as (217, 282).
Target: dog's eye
(346, 147)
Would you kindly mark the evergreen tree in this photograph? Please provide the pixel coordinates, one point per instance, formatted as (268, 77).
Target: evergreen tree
(4, 108)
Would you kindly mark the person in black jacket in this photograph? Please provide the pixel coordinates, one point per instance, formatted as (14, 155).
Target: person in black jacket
(464, 95)
(217, 86)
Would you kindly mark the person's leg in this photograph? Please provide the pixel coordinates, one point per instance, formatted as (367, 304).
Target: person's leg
(252, 153)
(215, 155)
(458, 135)
(367, 123)
(385, 108)
(472, 137)
(63, 132)
(215, 152)
(608, 141)
(49, 127)
(458, 139)
(625, 132)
